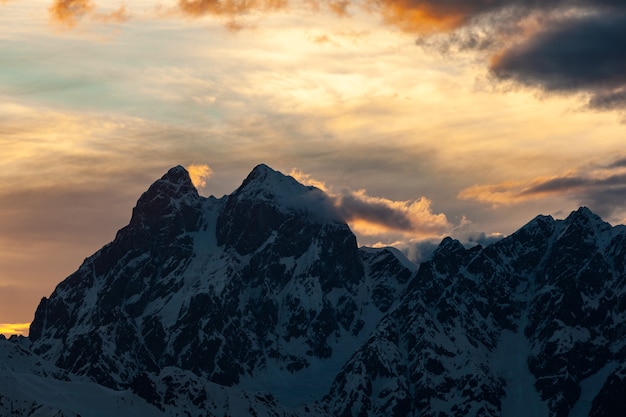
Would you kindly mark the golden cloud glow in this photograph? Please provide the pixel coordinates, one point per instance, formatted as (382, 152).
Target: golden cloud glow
(199, 174)
(68, 12)
(8, 329)
(502, 194)
(414, 216)
(512, 192)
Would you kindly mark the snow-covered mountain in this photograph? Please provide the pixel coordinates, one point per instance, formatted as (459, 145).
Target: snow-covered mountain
(261, 303)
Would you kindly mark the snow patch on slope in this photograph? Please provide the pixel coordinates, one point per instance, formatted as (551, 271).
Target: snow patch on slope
(509, 361)
(590, 387)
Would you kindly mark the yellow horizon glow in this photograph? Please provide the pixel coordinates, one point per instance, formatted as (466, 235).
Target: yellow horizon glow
(9, 329)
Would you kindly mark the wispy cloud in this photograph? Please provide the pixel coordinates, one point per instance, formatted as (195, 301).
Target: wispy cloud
(8, 329)
(601, 187)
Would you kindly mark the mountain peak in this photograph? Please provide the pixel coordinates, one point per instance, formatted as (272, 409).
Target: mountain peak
(177, 175)
(174, 188)
(449, 246)
(265, 183)
(176, 182)
(584, 218)
(285, 193)
(585, 214)
(539, 227)
(262, 170)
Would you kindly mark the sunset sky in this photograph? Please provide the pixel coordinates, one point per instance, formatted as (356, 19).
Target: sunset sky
(421, 118)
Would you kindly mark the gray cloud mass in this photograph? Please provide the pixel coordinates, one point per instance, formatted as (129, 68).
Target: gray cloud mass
(585, 54)
(351, 207)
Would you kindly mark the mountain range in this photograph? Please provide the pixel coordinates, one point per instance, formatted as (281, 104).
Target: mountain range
(261, 303)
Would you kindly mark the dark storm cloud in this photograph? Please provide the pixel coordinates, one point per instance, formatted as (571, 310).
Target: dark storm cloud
(587, 54)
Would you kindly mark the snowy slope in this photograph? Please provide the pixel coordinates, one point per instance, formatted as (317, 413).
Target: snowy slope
(31, 387)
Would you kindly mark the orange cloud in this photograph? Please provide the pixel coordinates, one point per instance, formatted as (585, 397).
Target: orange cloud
(8, 329)
(502, 194)
(69, 12)
(307, 179)
(339, 7)
(420, 17)
(116, 16)
(321, 39)
(199, 174)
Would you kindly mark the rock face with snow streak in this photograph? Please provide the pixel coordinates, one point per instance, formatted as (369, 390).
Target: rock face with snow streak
(267, 281)
(261, 303)
(521, 326)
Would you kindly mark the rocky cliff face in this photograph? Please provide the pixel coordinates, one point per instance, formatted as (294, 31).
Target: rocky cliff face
(267, 280)
(531, 324)
(262, 300)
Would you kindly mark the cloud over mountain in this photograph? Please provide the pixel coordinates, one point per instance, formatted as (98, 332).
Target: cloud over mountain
(374, 216)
